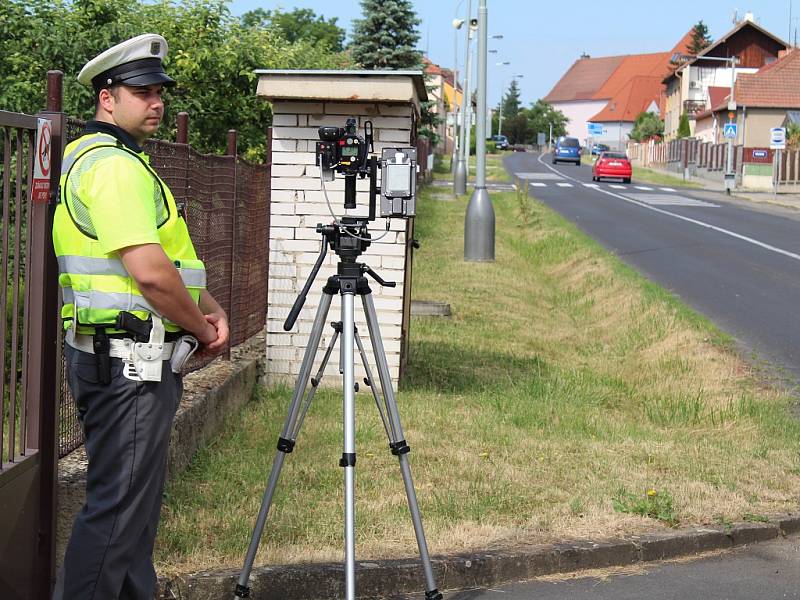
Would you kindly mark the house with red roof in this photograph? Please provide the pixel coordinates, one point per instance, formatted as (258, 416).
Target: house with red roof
(764, 99)
(688, 85)
(446, 97)
(612, 91)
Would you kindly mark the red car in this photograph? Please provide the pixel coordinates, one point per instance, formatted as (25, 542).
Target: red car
(612, 164)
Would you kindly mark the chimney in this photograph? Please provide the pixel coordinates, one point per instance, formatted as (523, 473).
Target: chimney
(584, 55)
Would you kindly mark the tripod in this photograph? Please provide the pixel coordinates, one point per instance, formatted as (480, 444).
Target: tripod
(348, 240)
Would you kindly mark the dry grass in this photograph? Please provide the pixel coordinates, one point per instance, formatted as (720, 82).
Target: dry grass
(561, 381)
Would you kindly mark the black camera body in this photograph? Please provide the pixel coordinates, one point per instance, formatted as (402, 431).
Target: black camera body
(343, 150)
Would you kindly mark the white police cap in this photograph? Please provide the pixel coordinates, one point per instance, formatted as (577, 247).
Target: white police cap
(134, 62)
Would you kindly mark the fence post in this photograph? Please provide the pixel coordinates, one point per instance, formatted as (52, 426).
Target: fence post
(232, 151)
(182, 136)
(43, 370)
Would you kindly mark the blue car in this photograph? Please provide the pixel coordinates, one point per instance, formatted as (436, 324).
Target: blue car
(567, 150)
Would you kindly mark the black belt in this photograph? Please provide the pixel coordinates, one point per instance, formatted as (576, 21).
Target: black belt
(169, 336)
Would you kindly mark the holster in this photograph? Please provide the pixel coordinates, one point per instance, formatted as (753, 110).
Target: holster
(102, 349)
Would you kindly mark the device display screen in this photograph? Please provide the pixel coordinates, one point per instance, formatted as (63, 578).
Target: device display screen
(349, 150)
(398, 180)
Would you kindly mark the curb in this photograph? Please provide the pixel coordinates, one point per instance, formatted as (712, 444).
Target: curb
(391, 578)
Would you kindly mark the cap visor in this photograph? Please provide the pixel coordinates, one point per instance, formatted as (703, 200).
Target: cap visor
(150, 79)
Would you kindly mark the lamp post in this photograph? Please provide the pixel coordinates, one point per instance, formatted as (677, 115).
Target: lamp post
(730, 175)
(460, 174)
(479, 223)
(457, 23)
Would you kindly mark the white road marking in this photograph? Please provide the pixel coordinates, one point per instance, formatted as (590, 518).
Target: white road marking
(618, 187)
(591, 185)
(537, 184)
(562, 184)
(721, 230)
(670, 200)
(643, 188)
(538, 175)
(664, 189)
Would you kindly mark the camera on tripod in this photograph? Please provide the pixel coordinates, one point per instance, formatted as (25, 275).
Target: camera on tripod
(341, 150)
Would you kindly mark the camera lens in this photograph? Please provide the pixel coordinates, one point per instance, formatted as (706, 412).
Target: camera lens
(330, 134)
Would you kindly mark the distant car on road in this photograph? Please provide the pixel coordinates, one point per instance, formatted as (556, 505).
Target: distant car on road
(500, 142)
(567, 149)
(599, 148)
(612, 165)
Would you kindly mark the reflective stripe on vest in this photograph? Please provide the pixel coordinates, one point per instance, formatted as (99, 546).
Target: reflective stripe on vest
(192, 277)
(72, 155)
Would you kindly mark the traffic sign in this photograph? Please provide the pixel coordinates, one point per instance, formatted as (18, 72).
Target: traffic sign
(40, 190)
(541, 138)
(760, 154)
(729, 130)
(777, 138)
(595, 128)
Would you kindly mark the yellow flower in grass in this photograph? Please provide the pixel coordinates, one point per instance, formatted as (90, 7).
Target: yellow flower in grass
(651, 493)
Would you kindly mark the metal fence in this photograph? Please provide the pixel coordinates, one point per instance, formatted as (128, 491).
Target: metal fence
(227, 205)
(28, 358)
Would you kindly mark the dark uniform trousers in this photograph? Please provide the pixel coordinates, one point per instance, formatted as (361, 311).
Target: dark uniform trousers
(127, 427)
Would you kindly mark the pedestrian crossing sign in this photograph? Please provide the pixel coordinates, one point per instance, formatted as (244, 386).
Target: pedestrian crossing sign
(729, 130)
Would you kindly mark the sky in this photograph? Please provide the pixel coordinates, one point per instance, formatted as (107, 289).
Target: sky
(542, 38)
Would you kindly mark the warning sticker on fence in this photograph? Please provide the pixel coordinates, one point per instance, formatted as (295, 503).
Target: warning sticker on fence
(40, 187)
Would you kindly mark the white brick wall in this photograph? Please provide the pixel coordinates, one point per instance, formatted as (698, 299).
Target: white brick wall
(298, 204)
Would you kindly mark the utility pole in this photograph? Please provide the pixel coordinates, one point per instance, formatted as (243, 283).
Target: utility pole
(479, 223)
(460, 175)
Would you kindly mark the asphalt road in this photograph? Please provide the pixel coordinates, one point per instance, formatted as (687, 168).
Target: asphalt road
(766, 571)
(736, 262)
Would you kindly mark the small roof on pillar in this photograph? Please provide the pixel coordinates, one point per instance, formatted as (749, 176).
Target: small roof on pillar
(342, 85)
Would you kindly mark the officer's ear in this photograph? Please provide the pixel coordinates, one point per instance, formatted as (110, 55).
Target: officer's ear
(105, 100)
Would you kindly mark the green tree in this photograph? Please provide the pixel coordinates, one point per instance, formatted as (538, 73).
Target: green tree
(511, 102)
(700, 38)
(212, 56)
(387, 36)
(647, 126)
(540, 115)
(684, 130)
(300, 24)
(793, 136)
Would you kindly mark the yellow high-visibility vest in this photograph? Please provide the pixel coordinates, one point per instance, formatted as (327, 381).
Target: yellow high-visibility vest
(95, 284)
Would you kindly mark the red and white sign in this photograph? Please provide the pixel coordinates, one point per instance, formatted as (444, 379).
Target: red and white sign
(40, 187)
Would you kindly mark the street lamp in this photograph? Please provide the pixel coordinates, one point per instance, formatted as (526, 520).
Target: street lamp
(460, 173)
(457, 23)
(730, 175)
(479, 222)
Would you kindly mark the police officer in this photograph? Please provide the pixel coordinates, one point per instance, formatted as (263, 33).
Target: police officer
(135, 307)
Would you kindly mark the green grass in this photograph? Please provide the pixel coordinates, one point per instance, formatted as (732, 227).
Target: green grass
(495, 172)
(562, 390)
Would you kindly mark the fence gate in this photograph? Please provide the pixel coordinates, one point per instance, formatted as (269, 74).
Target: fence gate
(29, 359)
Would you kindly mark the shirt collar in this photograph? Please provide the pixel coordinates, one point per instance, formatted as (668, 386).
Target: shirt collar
(114, 130)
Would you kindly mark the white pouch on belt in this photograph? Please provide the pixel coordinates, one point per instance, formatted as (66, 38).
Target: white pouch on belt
(185, 346)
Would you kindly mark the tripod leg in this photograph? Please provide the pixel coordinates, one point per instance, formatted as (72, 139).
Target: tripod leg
(348, 461)
(398, 444)
(285, 442)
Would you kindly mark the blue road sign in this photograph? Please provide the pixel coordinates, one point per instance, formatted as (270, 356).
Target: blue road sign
(729, 130)
(595, 128)
(760, 154)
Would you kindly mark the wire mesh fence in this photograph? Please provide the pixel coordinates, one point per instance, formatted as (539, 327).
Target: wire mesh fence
(226, 202)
